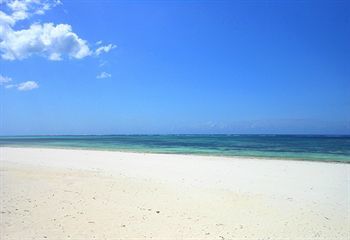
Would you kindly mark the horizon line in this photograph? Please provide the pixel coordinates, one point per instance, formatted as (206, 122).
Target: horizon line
(179, 134)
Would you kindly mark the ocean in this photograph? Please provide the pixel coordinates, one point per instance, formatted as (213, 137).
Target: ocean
(327, 148)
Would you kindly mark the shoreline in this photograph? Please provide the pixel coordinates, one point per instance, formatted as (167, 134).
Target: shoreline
(87, 194)
(185, 154)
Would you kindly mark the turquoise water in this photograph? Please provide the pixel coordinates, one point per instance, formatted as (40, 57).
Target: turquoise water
(301, 147)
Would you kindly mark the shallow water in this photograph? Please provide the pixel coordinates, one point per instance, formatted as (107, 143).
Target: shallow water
(300, 147)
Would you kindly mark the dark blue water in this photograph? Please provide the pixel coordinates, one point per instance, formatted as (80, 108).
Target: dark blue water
(301, 147)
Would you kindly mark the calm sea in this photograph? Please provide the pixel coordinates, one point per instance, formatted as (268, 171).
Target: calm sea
(301, 147)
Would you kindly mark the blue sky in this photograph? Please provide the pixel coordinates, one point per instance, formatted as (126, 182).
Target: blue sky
(133, 67)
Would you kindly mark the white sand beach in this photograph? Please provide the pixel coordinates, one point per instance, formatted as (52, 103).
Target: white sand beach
(85, 194)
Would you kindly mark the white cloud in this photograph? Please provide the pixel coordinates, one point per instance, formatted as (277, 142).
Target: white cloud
(26, 86)
(5, 19)
(102, 63)
(23, 9)
(45, 40)
(104, 75)
(104, 49)
(4, 79)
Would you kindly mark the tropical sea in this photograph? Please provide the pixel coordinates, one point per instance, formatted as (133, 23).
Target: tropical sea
(329, 148)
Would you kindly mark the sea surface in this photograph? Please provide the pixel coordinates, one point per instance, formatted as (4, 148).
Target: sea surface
(299, 147)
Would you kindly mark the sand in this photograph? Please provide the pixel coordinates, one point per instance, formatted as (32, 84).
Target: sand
(85, 194)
